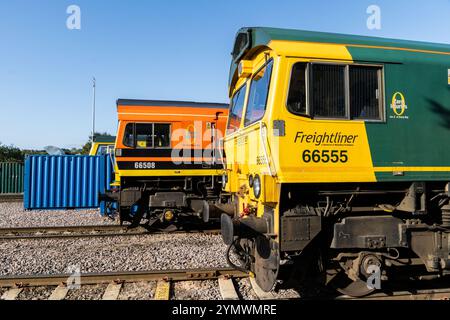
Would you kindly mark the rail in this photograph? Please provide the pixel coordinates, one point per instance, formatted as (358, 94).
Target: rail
(87, 231)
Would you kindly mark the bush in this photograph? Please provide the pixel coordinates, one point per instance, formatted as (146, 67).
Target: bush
(10, 154)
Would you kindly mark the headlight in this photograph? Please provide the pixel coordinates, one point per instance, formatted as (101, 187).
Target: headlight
(250, 181)
(118, 152)
(257, 186)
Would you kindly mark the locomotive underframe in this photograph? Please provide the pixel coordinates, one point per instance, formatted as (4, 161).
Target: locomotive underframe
(169, 199)
(351, 226)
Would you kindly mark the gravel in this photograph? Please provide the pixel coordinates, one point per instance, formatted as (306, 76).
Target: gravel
(244, 289)
(35, 293)
(91, 292)
(147, 252)
(13, 215)
(109, 254)
(246, 292)
(285, 294)
(196, 290)
(138, 291)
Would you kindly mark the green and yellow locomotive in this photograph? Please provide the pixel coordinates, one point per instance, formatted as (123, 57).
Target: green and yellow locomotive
(338, 158)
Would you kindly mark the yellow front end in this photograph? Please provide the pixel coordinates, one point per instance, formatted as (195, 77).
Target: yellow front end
(283, 148)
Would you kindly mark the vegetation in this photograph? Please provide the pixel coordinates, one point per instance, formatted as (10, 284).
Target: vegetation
(87, 146)
(10, 154)
(14, 154)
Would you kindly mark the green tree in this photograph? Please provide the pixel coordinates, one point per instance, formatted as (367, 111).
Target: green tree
(10, 154)
(87, 146)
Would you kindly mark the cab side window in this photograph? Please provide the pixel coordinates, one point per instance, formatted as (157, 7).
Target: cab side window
(102, 150)
(328, 91)
(365, 92)
(147, 135)
(128, 138)
(161, 135)
(297, 90)
(259, 91)
(144, 135)
(336, 91)
(237, 106)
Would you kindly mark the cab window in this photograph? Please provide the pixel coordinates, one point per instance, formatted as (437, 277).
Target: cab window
(128, 139)
(297, 90)
(237, 106)
(147, 135)
(259, 91)
(102, 150)
(336, 91)
(144, 135)
(161, 133)
(365, 92)
(328, 90)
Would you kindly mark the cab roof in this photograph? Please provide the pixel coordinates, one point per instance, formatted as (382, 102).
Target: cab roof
(104, 139)
(252, 39)
(168, 103)
(263, 36)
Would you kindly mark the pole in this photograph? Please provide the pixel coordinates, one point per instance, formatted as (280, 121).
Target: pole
(93, 110)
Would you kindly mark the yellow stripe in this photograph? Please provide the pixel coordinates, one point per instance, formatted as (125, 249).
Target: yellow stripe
(409, 169)
(156, 173)
(283, 45)
(398, 49)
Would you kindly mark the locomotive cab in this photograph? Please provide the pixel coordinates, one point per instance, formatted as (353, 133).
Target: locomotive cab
(336, 161)
(167, 158)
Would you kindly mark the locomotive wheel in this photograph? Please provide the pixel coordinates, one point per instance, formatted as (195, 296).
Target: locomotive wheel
(352, 278)
(267, 263)
(353, 288)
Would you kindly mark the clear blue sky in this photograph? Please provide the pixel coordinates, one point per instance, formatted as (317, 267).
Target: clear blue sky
(175, 49)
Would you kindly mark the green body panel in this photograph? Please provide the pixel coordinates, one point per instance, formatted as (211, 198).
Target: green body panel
(11, 178)
(414, 176)
(422, 139)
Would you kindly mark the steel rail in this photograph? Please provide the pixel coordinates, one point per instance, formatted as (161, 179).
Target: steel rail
(31, 233)
(120, 277)
(426, 294)
(11, 197)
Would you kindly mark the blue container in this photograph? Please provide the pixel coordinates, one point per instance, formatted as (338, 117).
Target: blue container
(66, 182)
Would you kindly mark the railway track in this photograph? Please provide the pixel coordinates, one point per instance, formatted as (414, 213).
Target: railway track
(59, 286)
(86, 231)
(11, 198)
(426, 294)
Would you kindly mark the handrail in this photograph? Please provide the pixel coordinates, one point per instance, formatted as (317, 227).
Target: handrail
(266, 154)
(221, 153)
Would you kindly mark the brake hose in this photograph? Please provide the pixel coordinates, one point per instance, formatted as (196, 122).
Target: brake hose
(227, 255)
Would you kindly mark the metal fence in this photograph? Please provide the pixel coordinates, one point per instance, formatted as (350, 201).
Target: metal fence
(11, 178)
